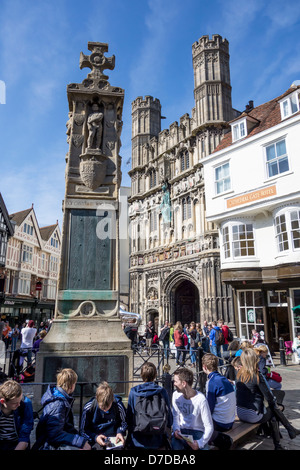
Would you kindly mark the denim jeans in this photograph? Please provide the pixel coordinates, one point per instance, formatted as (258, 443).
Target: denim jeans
(180, 444)
(217, 352)
(193, 354)
(181, 353)
(166, 348)
(14, 341)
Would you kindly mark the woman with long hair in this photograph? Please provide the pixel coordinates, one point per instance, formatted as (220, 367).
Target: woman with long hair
(251, 391)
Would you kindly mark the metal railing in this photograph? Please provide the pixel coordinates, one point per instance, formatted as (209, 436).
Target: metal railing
(164, 378)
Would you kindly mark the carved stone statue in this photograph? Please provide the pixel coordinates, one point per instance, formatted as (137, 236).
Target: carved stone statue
(94, 124)
(165, 205)
(69, 127)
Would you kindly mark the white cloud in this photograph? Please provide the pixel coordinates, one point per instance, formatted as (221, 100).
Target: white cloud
(159, 22)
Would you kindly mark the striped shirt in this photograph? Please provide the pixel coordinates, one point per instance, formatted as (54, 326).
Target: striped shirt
(7, 428)
(248, 416)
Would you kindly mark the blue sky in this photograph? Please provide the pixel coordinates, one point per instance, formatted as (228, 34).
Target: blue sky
(40, 44)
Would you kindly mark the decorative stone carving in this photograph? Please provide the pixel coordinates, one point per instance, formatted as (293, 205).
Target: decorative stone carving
(97, 62)
(92, 169)
(94, 124)
(69, 127)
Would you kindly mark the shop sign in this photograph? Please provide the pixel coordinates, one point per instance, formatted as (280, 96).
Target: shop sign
(251, 316)
(251, 197)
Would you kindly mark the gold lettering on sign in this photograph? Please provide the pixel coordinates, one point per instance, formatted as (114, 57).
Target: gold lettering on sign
(251, 197)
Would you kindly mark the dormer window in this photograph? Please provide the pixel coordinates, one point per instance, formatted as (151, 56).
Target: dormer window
(242, 127)
(239, 130)
(289, 105)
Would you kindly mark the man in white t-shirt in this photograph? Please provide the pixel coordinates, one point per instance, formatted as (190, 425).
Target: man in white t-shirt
(191, 414)
(28, 333)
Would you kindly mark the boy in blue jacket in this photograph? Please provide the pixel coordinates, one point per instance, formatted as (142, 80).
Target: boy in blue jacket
(148, 389)
(16, 417)
(221, 399)
(55, 429)
(104, 417)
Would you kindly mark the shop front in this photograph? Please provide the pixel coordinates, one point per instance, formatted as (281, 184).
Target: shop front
(18, 310)
(272, 308)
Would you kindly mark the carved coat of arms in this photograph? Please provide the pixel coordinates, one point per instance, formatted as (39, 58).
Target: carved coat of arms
(92, 169)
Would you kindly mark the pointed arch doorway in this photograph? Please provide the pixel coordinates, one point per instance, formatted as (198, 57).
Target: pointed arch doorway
(186, 303)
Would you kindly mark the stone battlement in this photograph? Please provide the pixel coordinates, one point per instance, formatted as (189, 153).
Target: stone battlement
(148, 101)
(204, 43)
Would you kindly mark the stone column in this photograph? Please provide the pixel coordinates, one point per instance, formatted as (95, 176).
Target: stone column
(86, 333)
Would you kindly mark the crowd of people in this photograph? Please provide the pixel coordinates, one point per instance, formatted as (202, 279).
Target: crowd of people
(21, 343)
(183, 341)
(191, 420)
(24, 335)
(154, 418)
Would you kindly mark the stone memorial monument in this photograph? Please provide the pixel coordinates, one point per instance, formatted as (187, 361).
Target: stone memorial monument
(86, 333)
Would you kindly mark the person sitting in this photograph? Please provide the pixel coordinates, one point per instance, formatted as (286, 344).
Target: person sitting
(262, 352)
(16, 417)
(251, 392)
(244, 345)
(236, 364)
(55, 429)
(296, 345)
(191, 414)
(143, 432)
(221, 398)
(103, 417)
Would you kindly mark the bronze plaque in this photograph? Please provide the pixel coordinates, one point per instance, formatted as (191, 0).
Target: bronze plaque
(92, 370)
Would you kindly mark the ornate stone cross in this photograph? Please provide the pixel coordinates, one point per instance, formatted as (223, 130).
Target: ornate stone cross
(97, 62)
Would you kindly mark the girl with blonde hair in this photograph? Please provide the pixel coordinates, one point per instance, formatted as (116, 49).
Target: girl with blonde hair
(251, 391)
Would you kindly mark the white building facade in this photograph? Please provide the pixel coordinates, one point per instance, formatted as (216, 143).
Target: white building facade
(253, 195)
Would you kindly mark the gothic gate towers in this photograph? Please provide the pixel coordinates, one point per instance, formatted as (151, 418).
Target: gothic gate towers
(169, 253)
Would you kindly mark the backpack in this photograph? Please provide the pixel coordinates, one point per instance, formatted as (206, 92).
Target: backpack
(151, 415)
(219, 337)
(230, 336)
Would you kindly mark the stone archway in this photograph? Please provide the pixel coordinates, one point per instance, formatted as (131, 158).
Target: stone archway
(181, 297)
(186, 303)
(152, 315)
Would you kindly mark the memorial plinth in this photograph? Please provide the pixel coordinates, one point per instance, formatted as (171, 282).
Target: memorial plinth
(86, 333)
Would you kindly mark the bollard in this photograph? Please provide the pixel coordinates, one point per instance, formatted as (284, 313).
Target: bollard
(282, 352)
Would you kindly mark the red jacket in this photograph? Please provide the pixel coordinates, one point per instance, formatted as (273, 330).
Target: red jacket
(225, 333)
(178, 338)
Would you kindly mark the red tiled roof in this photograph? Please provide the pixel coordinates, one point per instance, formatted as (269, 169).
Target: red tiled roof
(267, 115)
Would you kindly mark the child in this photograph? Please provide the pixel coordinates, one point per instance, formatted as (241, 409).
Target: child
(16, 417)
(55, 429)
(104, 417)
